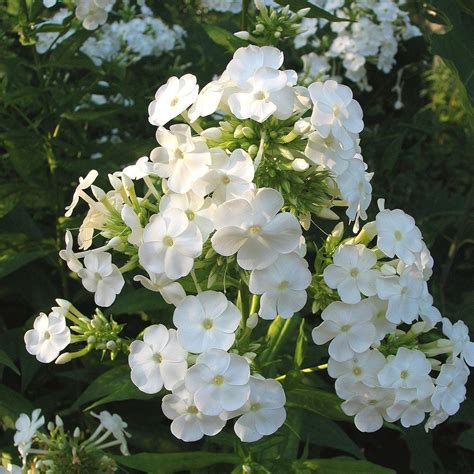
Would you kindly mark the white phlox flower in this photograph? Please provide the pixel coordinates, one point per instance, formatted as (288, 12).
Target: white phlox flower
(189, 424)
(181, 158)
(335, 111)
(92, 13)
(84, 183)
(458, 334)
(172, 99)
(115, 426)
(378, 310)
(197, 209)
(264, 411)
(219, 381)
(408, 369)
(403, 294)
(132, 220)
(282, 286)
(101, 277)
(370, 408)
(408, 408)
(171, 291)
(398, 235)
(361, 369)
(157, 360)
(348, 327)
(206, 321)
(68, 254)
(26, 429)
(255, 230)
(170, 244)
(351, 272)
(229, 177)
(450, 389)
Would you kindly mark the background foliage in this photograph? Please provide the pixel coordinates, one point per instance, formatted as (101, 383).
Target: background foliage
(423, 163)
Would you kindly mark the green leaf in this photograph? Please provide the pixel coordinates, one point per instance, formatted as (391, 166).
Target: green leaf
(339, 466)
(224, 38)
(133, 301)
(300, 345)
(12, 404)
(11, 262)
(466, 440)
(172, 462)
(455, 46)
(315, 12)
(114, 385)
(317, 401)
(321, 431)
(5, 360)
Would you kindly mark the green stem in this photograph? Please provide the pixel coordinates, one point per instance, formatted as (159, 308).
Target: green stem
(244, 15)
(196, 283)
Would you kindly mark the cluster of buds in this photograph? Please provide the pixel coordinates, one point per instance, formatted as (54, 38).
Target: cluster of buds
(272, 25)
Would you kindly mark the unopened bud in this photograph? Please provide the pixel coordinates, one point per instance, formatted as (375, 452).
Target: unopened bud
(50, 426)
(114, 242)
(111, 345)
(248, 132)
(277, 34)
(253, 150)
(91, 340)
(98, 193)
(243, 35)
(326, 213)
(388, 270)
(238, 133)
(302, 126)
(303, 12)
(226, 126)
(115, 181)
(252, 321)
(63, 358)
(259, 28)
(213, 133)
(58, 420)
(77, 432)
(300, 164)
(63, 303)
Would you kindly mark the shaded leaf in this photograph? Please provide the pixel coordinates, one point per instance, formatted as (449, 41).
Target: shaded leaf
(224, 38)
(172, 462)
(5, 360)
(339, 466)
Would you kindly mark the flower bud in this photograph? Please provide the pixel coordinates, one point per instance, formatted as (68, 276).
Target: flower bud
(300, 164)
(63, 303)
(213, 133)
(243, 35)
(303, 12)
(226, 126)
(58, 420)
(302, 126)
(98, 193)
(77, 432)
(238, 133)
(63, 358)
(111, 345)
(114, 242)
(259, 28)
(253, 150)
(277, 34)
(252, 321)
(366, 234)
(326, 213)
(91, 340)
(248, 132)
(50, 426)
(388, 270)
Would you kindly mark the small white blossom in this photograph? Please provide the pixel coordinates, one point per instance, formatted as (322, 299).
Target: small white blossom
(26, 429)
(170, 244)
(264, 411)
(253, 228)
(157, 360)
(189, 424)
(408, 369)
(49, 336)
(101, 277)
(351, 272)
(348, 327)
(172, 99)
(219, 381)
(206, 321)
(458, 334)
(114, 425)
(171, 291)
(282, 286)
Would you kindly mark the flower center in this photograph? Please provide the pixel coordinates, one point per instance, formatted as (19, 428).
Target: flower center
(97, 276)
(190, 214)
(47, 335)
(335, 110)
(354, 272)
(357, 371)
(380, 315)
(283, 285)
(255, 229)
(218, 380)
(207, 324)
(345, 327)
(403, 290)
(174, 101)
(225, 179)
(261, 95)
(398, 235)
(179, 154)
(372, 402)
(192, 410)
(329, 141)
(404, 374)
(255, 407)
(168, 241)
(157, 358)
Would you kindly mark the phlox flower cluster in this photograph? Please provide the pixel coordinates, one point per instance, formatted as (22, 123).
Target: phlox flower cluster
(345, 48)
(54, 449)
(213, 221)
(122, 42)
(386, 337)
